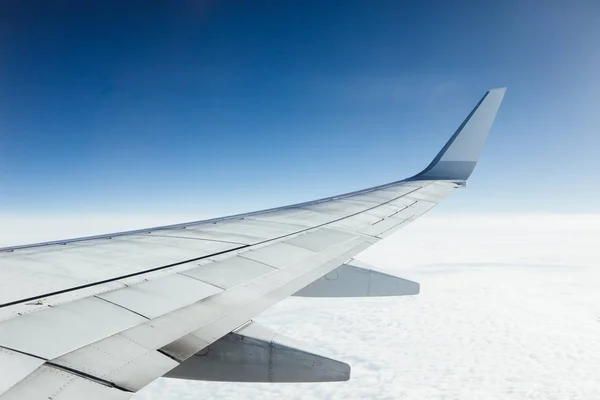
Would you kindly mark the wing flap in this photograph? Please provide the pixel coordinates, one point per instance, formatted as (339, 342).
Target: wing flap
(102, 362)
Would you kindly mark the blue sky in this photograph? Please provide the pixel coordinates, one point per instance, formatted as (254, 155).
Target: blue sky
(229, 106)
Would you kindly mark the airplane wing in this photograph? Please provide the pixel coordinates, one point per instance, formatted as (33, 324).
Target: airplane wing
(101, 317)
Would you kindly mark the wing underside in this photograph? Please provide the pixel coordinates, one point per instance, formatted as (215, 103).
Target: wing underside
(103, 316)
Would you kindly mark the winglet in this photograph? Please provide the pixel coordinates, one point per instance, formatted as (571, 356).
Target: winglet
(456, 161)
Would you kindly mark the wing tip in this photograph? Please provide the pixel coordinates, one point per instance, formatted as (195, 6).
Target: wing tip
(457, 159)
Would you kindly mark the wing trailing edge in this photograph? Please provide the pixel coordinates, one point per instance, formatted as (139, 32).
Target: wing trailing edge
(457, 159)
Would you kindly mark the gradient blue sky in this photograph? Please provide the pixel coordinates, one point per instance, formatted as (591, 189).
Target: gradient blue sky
(229, 106)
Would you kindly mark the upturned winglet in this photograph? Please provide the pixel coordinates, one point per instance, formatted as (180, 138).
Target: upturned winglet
(456, 161)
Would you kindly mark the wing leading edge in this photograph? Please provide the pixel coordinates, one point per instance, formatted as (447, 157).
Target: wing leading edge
(119, 310)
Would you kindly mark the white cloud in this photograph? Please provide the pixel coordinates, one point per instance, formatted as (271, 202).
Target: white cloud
(509, 309)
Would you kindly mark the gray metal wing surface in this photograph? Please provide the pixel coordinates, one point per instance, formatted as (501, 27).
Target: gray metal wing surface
(101, 317)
